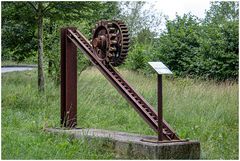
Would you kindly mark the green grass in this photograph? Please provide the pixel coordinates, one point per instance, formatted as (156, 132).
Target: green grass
(197, 110)
(14, 63)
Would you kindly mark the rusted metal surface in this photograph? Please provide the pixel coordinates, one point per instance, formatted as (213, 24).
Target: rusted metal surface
(110, 46)
(144, 109)
(110, 42)
(68, 80)
(160, 109)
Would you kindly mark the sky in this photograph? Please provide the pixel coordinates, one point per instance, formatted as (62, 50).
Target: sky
(171, 7)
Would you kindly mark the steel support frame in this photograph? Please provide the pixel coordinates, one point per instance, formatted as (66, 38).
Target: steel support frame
(70, 40)
(68, 80)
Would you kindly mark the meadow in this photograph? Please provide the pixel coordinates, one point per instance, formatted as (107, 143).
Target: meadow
(197, 110)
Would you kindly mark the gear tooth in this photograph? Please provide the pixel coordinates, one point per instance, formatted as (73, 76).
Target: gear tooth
(126, 42)
(110, 54)
(112, 49)
(109, 24)
(123, 53)
(106, 24)
(126, 34)
(113, 36)
(119, 22)
(123, 27)
(111, 29)
(113, 42)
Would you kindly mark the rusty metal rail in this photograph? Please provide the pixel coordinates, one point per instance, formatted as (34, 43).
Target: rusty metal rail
(143, 108)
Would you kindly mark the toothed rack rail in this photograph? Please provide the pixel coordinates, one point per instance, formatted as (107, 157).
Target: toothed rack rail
(71, 39)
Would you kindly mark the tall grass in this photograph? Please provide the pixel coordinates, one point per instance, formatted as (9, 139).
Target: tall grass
(197, 110)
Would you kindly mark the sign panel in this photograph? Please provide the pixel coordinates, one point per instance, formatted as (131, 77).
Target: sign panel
(160, 68)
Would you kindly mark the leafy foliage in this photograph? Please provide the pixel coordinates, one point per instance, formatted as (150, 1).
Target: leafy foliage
(179, 44)
(20, 29)
(138, 17)
(18, 32)
(192, 47)
(91, 12)
(220, 41)
(206, 48)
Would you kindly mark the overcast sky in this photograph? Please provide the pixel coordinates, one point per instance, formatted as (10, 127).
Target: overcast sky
(171, 7)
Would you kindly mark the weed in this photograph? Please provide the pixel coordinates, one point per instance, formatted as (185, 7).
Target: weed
(197, 110)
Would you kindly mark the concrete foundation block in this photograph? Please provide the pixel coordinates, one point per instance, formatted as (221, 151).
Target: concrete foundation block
(131, 146)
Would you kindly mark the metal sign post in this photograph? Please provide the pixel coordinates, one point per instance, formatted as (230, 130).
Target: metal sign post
(161, 69)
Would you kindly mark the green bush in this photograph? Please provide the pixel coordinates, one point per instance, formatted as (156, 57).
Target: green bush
(206, 48)
(179, 44)
(137, 57)
(53, 51)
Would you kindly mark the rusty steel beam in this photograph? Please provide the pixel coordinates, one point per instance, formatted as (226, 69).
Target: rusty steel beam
(160, 109)
(68, 80)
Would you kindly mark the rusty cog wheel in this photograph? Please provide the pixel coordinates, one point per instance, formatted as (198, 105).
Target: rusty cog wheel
(111, 42)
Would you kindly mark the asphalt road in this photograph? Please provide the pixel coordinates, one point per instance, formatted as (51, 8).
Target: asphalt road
(14, 69)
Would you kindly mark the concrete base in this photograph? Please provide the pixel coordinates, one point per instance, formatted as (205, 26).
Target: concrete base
(131, 146)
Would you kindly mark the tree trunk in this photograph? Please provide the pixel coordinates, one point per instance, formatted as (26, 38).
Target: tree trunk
(40, 48)
(50, 60)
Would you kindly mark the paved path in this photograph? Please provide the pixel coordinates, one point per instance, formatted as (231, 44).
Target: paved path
(15, 68)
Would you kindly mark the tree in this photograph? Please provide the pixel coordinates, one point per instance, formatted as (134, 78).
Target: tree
(97, 11)
(222, 11)
(143, 24)
(178, 45)
(18, 32)
(220, 41)
(208, 48)
(39, 12)
(138, 17)
(145, 36)
(52, 10)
